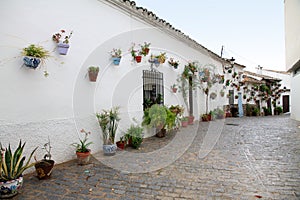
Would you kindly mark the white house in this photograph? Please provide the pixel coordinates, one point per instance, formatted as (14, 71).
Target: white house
(292, 52)
(34, 107)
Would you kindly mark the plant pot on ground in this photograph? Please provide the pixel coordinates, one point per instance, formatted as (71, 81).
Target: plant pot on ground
(12, 166)
(93, 73)
(108, 121)
(184, 121)
(135, 135)
(82, 151)
(159, 117)
(206, 117)
(122, 143)
(44, 167)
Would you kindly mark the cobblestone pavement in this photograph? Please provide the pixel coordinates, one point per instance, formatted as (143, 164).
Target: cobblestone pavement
(254, 157)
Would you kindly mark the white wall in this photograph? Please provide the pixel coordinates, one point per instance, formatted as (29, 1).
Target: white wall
(292, 45)
(292, 32)
(33, 107)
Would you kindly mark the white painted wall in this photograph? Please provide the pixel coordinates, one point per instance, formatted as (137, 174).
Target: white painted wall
(292, 32)
(292, 52)
(33, 107)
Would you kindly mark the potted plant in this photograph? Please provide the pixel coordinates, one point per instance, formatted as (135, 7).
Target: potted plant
(184, 121)
(44, 167)
(173, 63)
(62, 46)
(154, 60)
(219, 113)
(108, 121)
(135, 135)
(34, 55)
(161, 58)
(206, 117)
(174, 88)
(12, 166)
(145, 48)
(116, 56)
(136, 54)
(121, 143)
(82, 151)
(160, 117)
(93, 73)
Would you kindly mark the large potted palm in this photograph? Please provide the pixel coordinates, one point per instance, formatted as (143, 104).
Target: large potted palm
(12, 166)
(108, 121)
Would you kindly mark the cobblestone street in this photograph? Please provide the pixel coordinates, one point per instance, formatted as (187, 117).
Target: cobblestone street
(254, 157)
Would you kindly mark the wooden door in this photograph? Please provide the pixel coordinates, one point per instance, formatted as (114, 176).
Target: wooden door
(286, 103)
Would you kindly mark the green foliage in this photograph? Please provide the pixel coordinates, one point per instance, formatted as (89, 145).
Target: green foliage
(83, 144)
(108, 121)
(219, 113)
(159, 116)
(35, 51)
(278, 109)
(12, 164)
(93, 69)
(267, 111)
(135, 133)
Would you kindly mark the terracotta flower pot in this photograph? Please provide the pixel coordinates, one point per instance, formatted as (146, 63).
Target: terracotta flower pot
(184, 123)
(121, 145)
(93, 75)
(83, 158)
(191, 120)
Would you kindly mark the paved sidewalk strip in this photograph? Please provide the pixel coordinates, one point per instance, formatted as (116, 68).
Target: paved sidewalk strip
(251, 158)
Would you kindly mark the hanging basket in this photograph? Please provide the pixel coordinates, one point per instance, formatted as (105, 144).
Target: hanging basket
(31, 62)
(116, 60)
(138, 59)
(63, 48)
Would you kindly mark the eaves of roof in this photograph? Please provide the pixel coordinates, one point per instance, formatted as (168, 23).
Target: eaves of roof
(149, 17)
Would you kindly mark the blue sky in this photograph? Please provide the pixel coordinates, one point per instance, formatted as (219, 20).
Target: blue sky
(252, 31)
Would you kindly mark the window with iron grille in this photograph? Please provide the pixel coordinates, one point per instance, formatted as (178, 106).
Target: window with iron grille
(153, 88)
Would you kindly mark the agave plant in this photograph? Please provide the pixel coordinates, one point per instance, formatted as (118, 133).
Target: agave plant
(12, 164)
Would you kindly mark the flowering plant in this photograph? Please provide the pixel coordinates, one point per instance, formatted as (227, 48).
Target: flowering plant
(145, 48)
(134, 52)
(116, 53)
(57, 36)
(82, 146)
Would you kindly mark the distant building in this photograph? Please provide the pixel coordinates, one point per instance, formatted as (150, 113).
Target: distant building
(292, 45)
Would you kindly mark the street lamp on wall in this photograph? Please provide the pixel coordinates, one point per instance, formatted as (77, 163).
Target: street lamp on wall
(231, 60)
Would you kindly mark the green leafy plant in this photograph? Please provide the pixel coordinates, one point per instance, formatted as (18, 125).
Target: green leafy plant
(108, 121)
(35, 51)
(145, 48)
(159, 116)
(93, 69)
(12, 165)
(135, 134)
(83, 144)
